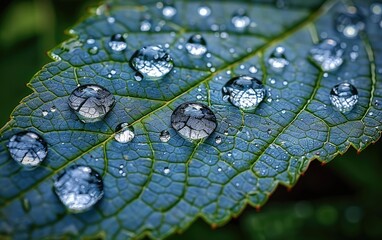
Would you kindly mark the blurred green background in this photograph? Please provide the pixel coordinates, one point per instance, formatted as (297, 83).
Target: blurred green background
(340, 200)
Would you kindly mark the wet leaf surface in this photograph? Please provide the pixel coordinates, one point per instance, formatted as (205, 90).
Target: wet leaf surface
(157, 187)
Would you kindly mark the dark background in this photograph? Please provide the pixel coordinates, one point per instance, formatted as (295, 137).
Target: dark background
(340, 200)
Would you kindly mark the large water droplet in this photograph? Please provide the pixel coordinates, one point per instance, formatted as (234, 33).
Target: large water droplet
(124, 133)
(164, 136)
(327, 54)
(117, 42)
(344, 97)
(350, 23)
(240, 19)
(196, 45)
(91, 102)
(79, 188)
(244, 92)
(277, 59)
(152, 62)
(204, 11)
(193, 121)
(28, 149)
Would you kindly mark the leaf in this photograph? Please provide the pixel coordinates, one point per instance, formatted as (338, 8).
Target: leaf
(259, 150)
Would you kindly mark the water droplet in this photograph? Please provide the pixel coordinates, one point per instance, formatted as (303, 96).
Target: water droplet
(28, 149)
(193, 121)
(26, 204)
(117, 42)
(252, 69)
(124, 133)
(169, 11)
(219, 169)
(240, 19)
(145, 25)
(110, 20)
(166, 170)
(344, 97)
(218, 139)
(350, 23)
(277, 59)
(79, 188)
(244, 92)
(93, 50)
(44, 113)
(376, 8)
(55, 57)
(196, 45)
(164, 136)
(53, 109)
(152, 62)
(204, 11)
(327, 54)
(91, 102)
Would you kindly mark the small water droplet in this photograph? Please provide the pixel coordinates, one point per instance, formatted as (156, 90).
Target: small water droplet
(91, 102)
(350, 23)
(219, 169)
(121, 166)
(244, 92)
(145, 25)
(229, 154)
(277, 60)
(327, 54)
(196, 45)
(93, 50)
(193, 121)
(376, 8)
(169, 11)
(44, 113)
(204, 11)
(138, 76)
(53, 109)
(117, 42)
(166, 170)
(252, 69)
(285, 83)
(124, 133)
(269, 131)
(164, 136)
(344, 97)
(371, 113)
(28, 149)
(26, 204)
(79, 188)
(218, 139)
(240, 19)
(153, 62)
(110, 20)
(283, 111)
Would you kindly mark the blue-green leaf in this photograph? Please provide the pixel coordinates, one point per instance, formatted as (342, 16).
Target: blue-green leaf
(154, 187)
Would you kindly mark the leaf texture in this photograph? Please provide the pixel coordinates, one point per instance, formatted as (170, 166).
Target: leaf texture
(260, 149)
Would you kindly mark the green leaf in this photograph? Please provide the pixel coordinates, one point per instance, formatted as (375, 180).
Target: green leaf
(260, 149)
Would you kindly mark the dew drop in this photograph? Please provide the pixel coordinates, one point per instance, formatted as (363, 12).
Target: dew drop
(193, 121)
(79, 188)
(327, 54)
(218, 139)
(145, 25)
(53, 109)
(169, 11)
(344, 97)
(166, 170)
(196, 45)
(110, 20)
(219, 169)
(91, 102)
(93, 50)
(204, 11)
(277, 60)
(240, 19)
(350, 23)
(117, 42)
(124, 133)
(244, 92)
(252, 69)
(153, 62)
(28, 149)
(164, 136)
(44, 113)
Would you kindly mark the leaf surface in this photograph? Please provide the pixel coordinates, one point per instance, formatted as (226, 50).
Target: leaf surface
(260, 149)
